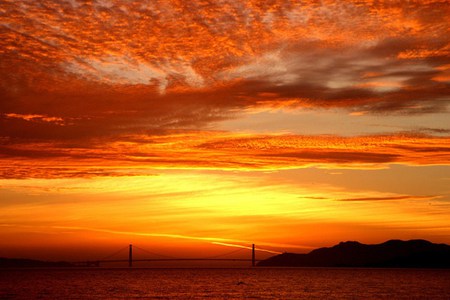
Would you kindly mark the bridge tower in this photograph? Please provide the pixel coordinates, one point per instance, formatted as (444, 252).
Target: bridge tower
(253, 255)
(130, 256)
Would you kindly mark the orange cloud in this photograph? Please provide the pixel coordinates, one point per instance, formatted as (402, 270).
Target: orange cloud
(55, 120)
(119, 72)
(138, 155)
(84, 59)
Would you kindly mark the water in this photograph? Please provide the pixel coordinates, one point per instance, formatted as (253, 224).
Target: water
(257, 283)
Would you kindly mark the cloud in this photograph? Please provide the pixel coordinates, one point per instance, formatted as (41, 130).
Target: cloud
(79, 76)
(216, 150)
(246, 247)
(435, 130)
(392, 198)
(213, 240)
(37, 118)
(190, 45)
(126, 71)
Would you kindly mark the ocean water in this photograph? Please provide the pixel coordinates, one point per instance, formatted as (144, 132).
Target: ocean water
(249, 283)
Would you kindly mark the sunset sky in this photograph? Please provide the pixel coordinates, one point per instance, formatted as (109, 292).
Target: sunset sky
(189, 127)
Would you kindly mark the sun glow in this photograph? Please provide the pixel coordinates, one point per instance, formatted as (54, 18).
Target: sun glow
(202, 124)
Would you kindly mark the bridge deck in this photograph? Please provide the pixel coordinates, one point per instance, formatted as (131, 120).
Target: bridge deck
(171, 259)
(130, 259)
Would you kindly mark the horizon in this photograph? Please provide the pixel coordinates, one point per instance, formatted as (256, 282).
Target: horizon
(196, 128)
(230, 260)
(147, 259)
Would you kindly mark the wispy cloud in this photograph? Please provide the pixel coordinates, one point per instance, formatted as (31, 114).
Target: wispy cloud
(392, 198)
(36, 118)
(246, 247)
(213, 240)
(128, 155)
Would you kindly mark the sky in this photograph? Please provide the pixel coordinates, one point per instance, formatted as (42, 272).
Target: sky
(195, 127)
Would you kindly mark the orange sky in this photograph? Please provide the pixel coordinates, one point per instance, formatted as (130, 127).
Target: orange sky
(189, 126)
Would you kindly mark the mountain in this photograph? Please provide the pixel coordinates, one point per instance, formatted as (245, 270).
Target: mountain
(390, 254)
(31, 263)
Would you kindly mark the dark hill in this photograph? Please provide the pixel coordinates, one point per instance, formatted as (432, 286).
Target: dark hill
(390, 254)
(31, 263)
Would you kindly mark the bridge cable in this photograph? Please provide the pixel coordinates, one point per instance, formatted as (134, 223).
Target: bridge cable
(153, 253)
(115, 253)
(224, 254)
(208, 257)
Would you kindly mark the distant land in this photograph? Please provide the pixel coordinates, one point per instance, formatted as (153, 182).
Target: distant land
(31, 263)
(390, 254)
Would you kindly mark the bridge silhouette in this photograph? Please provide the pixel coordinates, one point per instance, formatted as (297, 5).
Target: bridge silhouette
(165, 258)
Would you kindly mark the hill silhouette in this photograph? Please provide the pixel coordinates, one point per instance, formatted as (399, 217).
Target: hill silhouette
(390, 254)
(31, 263)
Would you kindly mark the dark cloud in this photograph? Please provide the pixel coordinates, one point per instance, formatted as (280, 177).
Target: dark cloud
(339, 156)
(391, 198)
(116, 156)
(46, 172)
(444, 131)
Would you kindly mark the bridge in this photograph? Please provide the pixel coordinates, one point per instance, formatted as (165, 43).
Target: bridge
(164, 258)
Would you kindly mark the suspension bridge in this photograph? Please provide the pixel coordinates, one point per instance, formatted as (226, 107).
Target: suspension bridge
(164, 258)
